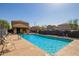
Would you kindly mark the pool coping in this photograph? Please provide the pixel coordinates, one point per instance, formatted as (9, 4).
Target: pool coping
(57, 36)
(60, 37)
(52, 36)
(46, 54)
(66, 47)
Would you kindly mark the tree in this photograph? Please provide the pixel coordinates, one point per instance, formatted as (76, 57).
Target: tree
(73, 24)
(5, 24)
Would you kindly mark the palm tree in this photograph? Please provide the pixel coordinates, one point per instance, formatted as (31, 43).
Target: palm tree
(4, 23)
(73, 24)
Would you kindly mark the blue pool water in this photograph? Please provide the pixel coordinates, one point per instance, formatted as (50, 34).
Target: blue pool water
(50, 45)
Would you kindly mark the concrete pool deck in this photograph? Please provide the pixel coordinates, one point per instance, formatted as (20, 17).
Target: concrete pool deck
(71, 50)
(25, 48)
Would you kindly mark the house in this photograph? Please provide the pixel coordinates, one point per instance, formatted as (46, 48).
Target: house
(35, 28)
(64, 26)
(51, 27)
(20, 26)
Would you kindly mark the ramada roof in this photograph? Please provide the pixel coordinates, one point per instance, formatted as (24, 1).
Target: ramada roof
(20, 24)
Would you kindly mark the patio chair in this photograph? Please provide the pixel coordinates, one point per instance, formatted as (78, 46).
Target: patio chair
(8, 45)
(4, 41)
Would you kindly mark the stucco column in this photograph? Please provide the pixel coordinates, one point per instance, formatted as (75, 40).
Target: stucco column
(15, 31)
(21, 30)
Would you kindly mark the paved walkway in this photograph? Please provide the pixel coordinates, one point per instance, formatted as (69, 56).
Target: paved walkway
(24, 48)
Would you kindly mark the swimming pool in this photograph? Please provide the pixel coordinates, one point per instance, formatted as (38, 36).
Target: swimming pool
(51, 45)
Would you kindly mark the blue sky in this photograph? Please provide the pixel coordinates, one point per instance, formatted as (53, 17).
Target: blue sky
(40, 14)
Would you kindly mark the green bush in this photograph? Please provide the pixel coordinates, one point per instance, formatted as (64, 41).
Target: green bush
(4, 23)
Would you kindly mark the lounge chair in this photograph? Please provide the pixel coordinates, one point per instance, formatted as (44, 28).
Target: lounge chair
(8, 45)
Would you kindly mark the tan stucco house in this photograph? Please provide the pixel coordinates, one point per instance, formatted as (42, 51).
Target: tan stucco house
(20, 26)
